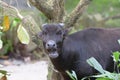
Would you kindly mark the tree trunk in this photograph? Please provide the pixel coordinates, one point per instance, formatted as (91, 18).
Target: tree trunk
(54, 10)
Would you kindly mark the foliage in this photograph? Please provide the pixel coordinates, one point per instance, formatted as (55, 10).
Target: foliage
(20, 31)
(11, 30)
(3, 74)
(72, 75)
(104, 6)
(106, 75)
(8, 28)
(97, 6)
(6, 23)
(23, 35)
(97, 9)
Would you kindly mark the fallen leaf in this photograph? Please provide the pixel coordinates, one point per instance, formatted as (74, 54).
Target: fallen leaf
(23, 35)
(6, 23)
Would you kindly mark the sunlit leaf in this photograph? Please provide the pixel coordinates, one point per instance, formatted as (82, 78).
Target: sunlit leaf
(1, 44)
(1, 33)
(6, 23)
(110, 75)
(4, 78)
(94, 63)
(1, 75)
(15, 22)
(3, 72)
(23, 35)
(103, 78)
(119, 41)
(116, 56)
(72, 75)
(95, 76)
(28, 3)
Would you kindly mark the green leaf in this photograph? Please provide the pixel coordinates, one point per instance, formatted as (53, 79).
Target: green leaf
(1, 75)
(118, 65)
(28, 3)
(7, 47)
(119, 41)
(6, 23)
(3, 72)
(23, 35)
(110, 75)
(103, 78)
(95, 76)
(15, 22)
(94, 63)
(1, 34)
(1, 43)
(72, 75)
(116, 56)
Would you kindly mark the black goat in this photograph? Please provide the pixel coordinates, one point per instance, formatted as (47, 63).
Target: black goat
(70, 52)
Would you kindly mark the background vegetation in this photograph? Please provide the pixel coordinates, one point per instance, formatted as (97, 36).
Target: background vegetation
(100, 13)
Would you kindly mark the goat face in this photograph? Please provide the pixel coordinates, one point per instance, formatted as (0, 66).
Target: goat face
(52, 36)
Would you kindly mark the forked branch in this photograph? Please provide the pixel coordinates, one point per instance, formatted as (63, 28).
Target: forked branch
(59, 10)
(55, 12)
(44, 7)
(72, 18)
(52, 9)
(6, 6)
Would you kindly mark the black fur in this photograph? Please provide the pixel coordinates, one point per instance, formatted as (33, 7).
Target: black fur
(76, 48)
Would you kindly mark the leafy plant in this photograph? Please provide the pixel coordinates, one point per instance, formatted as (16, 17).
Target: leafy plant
(23, 35)
(104, 75)
(72, 75)
(3, 74)
(8, 36)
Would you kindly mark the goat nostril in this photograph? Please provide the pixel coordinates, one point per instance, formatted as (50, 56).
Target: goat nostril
(53, 45)
(48, 45)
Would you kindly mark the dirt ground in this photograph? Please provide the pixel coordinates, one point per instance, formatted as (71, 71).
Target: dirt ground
(26, 71)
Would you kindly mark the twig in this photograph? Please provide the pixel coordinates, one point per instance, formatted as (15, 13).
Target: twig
(5, 5)
(44, 7)
(112, 17)
(72, 18)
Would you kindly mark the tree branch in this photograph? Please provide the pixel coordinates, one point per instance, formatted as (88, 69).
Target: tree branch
(72, 18)
(44, 7)
(52, 9)
(112, 17)
(6, 6)
(58, 10)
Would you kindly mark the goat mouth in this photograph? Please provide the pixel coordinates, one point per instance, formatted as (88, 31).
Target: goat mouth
(51, 50)
(52, 53)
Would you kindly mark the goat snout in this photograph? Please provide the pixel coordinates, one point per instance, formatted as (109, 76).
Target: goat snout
(51, 44)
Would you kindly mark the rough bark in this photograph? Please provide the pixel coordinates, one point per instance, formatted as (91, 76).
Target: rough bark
(43, 6)
(54, 10)
(111, 17)
(9, 7)
(72, 18)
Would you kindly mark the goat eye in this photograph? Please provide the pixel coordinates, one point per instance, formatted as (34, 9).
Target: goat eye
(59, 32)
(44, 33)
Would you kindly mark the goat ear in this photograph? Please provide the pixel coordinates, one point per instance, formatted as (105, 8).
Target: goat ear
(62, 25)
(39, 35)
(43, 26)
(66, 31)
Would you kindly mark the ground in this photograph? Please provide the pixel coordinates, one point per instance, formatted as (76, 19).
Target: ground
(19, 70)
